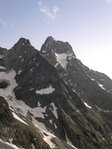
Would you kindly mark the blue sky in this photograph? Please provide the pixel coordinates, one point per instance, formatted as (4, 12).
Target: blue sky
(86, 24)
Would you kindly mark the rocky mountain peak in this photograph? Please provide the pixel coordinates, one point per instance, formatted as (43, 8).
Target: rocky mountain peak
(52, 45)
(57, 52)
(23, 40)
(21, 53)
(49, 39)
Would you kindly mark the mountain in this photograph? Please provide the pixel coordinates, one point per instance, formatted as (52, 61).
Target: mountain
(88, 84)
(49, 99)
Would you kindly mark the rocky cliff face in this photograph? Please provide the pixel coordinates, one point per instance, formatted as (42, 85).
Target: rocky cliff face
(52, 99)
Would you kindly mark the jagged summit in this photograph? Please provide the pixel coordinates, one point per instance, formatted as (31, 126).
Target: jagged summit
(23, 40)
(51, 44)
(21, 43)
(57, 52)
(23, 46)
(49, 39)
(22, 52)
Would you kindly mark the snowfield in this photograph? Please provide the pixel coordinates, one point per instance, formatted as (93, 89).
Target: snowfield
(8, 92)
(62, 58)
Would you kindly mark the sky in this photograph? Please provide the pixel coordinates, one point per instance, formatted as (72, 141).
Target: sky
(85, 24)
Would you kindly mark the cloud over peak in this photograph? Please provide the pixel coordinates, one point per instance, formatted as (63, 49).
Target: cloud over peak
(50, 14)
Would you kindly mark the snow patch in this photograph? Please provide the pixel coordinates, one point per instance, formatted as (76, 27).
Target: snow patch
(101, 86)
(34, 59)
(48, 140)
(62, 59)
(23, 44)
(40, 125)
(44, 51)
(32, 146)
(51, 121)
(56, 64)
(92, 79)
(31, 69)
(19, 72)
(39, 111)
(8, 92)
(18, 118)
(106, 111)
(10, 140)
(9, 144)
(54, 110)
(68, 141)
(20, 107)
(87, 105)
(2, 67)
(55, 126)
(20, 56)
(48, 90)
(24, 109)
(47, 137)
(1, 56)
(31, 89)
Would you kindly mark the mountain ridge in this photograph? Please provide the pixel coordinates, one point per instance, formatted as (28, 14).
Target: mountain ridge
(47, 91)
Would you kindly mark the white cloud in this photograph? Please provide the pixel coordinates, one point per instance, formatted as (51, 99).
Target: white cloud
(109, 1)
(5, 24)
(50, 14)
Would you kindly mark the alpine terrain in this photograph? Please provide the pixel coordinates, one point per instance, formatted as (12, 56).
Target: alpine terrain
(50, 100)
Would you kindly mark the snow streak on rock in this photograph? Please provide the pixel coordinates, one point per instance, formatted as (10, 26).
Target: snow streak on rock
(54, 110)
(18, 118)
(68, 141)
(3, 68)
(87, 105)
(8, 145)
(101, 85)
(47, 137)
